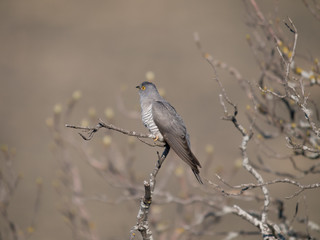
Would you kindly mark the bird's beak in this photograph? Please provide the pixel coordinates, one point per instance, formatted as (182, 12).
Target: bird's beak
(138, 87)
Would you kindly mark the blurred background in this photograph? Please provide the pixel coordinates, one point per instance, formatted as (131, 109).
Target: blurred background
(52, 48)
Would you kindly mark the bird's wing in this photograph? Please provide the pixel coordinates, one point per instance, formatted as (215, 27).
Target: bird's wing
(171, 126)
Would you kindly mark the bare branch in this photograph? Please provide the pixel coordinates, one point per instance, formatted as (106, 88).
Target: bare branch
(90, 131)
(142, 218)
(267, 233)
(265, 230)
(249, 186)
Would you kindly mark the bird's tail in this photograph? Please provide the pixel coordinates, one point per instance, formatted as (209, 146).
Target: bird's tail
(196, 173)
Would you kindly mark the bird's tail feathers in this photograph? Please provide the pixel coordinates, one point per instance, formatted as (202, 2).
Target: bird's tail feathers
(196, 173)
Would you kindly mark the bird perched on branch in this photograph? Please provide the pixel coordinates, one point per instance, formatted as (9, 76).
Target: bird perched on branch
(166, 125)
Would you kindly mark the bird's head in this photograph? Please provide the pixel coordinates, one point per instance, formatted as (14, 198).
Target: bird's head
(148, 90)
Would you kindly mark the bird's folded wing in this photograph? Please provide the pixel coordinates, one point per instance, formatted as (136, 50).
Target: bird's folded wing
(171, 126)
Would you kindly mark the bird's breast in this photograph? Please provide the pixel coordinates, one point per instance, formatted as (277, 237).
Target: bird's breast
(147, 119)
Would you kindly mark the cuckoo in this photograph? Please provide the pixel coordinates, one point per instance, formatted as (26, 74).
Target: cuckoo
(166, 125)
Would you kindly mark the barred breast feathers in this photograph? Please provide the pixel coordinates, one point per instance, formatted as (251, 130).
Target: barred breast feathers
(147, 120)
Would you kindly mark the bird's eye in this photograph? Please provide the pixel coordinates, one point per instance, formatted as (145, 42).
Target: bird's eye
(143, 88)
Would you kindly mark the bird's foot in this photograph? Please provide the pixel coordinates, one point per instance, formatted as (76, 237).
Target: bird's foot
(156, 138)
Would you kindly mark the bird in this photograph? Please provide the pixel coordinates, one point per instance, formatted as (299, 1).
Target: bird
(166, 125)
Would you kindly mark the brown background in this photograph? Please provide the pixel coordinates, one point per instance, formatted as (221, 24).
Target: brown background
(51, 48)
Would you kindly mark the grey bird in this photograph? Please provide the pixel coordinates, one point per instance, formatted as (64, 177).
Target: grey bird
(166, 125)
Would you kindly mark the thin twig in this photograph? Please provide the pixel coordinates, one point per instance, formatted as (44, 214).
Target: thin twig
(90, 131)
